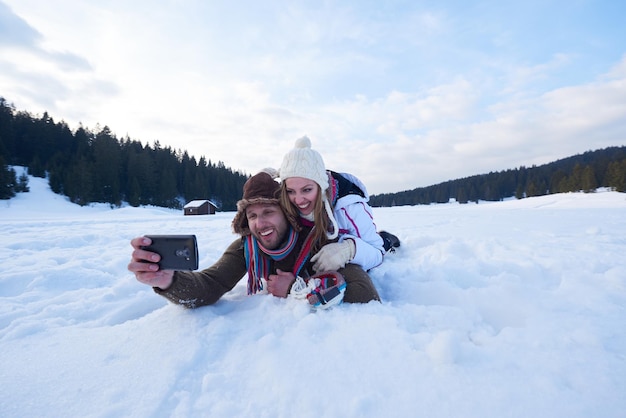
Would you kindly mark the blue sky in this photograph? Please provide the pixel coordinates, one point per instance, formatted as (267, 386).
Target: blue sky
(402, 94)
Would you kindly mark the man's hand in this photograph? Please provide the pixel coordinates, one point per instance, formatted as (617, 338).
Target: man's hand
(144, 264)
(332, 257)
(279, 284)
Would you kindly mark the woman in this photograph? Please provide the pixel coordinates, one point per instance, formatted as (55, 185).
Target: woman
(337, 205)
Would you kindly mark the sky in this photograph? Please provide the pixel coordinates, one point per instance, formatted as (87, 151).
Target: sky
(501, 309)
(402, 94)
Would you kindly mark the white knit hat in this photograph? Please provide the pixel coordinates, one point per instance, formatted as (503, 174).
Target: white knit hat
(302, 161)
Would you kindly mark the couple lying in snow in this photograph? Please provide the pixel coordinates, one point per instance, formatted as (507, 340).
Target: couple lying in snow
(311, 236)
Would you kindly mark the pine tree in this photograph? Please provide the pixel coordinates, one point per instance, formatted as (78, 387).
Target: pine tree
(134, 193)
(556, 181)
(106, 168)
(22, 184)
(575, 180)
(588, 180)
(616, 176)
(7, 181)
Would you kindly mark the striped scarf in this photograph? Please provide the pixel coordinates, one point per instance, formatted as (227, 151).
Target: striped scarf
(258, 258)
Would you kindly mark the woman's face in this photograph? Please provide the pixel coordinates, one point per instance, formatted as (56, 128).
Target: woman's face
(302, 193)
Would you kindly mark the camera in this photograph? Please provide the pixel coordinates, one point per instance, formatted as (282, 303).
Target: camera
(178, 252)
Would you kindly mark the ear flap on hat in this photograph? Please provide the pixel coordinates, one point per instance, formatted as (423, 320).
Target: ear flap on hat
(329, 211)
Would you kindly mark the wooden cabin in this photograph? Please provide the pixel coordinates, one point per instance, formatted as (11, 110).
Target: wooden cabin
(200, 207)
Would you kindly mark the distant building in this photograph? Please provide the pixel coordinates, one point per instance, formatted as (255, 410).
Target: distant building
(200, 207)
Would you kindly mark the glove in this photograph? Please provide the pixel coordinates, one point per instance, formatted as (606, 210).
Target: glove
(334, 256)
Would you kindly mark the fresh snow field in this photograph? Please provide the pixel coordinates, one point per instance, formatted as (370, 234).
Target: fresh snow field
(507, 309)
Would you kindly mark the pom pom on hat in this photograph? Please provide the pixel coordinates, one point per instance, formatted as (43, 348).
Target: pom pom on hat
(302, 161)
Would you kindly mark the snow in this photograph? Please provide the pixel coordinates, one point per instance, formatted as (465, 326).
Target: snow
(507, 309)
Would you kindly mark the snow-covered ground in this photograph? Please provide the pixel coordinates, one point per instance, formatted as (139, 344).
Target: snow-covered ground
(509, 309)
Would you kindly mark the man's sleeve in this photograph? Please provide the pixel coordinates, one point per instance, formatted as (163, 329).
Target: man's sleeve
(193, 289)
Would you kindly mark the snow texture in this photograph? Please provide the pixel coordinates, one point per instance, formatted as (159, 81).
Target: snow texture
(508, 309)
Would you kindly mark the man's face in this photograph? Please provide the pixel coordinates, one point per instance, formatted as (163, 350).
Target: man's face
(267, 224)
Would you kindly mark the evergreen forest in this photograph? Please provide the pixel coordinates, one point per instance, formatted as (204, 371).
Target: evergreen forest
(95, 166)
(585, 172)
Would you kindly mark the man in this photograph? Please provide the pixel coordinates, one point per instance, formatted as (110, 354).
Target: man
(272, 246)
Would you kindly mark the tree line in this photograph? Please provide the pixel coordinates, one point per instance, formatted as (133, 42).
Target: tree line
(95, 166)
(584, 172)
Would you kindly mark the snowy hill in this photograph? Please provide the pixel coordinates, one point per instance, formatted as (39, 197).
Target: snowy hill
(513, 309)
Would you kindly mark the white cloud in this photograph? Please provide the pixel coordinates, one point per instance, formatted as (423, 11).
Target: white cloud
(403, 95)
(533, 130)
